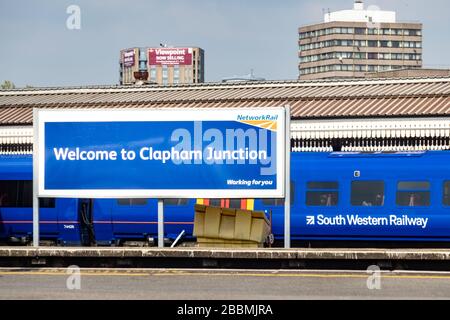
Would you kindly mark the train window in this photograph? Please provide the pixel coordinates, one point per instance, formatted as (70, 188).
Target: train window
(235, 203)
(322, 194)
(447, 193)
(16, 193)
(230, 203)
(215, 202)
(132, 202)
(273, 202)
(175, 202)
(322, 198)
(368, 193)
(46, 202)
(413, 194)
(413, 185)
(413, 199)
(280, 202)
(323, 185)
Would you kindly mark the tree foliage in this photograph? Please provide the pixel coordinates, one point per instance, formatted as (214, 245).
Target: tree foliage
(7, 85)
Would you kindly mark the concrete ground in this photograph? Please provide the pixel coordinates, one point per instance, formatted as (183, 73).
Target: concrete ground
(206, 284)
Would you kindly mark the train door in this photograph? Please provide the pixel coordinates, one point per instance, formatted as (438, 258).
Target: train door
(69, 222)
(178, 217)
(87, 233)
(134, 219)
(48, 220)
(102, 221)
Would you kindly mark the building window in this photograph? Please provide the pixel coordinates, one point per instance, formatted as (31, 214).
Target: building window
(413, 194)
(153, 73)
(360, 31)
(360, 43)
(188, 74)
(176, 74)
(372, 43)
(367, 193)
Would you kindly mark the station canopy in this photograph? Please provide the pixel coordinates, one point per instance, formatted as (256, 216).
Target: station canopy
(333, 115)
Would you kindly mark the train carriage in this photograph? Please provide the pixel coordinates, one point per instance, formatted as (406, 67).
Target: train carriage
(334, 196)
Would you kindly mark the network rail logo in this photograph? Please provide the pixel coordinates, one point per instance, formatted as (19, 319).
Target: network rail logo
(267, 121)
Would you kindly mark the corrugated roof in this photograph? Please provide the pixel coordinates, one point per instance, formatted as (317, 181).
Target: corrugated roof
(308, 99)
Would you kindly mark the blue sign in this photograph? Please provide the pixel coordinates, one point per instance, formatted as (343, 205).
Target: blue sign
(224, 153)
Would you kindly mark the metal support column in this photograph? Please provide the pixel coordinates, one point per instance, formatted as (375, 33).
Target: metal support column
(287, 177)
(160, 223)
(35, 181)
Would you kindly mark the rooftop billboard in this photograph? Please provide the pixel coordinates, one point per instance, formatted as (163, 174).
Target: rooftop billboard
(169, 56)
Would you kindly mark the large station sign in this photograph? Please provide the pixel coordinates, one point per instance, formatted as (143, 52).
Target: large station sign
(161, 153)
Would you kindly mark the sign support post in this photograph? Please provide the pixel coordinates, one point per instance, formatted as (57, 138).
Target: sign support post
(160, 223)
(35, 181)
(287, 180)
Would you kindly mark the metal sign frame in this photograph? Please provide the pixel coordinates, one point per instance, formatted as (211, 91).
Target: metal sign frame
(40, 117)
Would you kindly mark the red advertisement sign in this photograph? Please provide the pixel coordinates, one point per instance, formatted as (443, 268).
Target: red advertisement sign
(170, 56)
(128, 58)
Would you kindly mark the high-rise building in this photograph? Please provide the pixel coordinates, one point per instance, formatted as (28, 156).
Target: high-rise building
(162, 65)
(350, 43)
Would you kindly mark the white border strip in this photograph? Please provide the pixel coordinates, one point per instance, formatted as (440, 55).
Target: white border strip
(138, 115)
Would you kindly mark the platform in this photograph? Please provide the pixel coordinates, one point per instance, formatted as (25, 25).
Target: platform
(220, 253)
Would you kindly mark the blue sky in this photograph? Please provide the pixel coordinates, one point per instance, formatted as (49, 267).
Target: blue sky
(37, 49)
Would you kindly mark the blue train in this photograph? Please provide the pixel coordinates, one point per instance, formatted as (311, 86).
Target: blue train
(334, 196)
